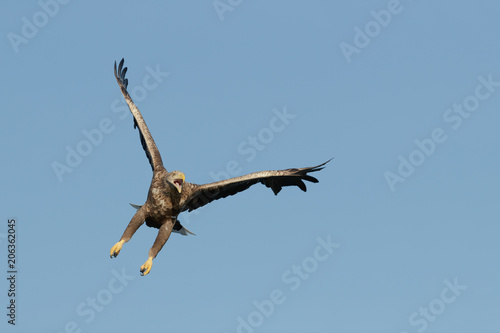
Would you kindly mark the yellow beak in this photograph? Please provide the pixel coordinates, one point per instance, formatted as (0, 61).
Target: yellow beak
(177, 185)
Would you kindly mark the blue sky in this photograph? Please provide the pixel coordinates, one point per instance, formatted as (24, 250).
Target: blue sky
(399, 235)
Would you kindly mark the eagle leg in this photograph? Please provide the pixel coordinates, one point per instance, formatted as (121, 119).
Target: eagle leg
(135, 223)
(115, 250)
(147, 266)
(161, 239)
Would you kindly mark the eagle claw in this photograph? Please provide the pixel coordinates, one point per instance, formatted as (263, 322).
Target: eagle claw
(146, 267)
(115, 250)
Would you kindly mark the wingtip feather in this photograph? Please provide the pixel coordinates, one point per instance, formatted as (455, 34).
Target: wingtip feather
(301, 185)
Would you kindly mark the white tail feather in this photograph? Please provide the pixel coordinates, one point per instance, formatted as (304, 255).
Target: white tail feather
(136, 206)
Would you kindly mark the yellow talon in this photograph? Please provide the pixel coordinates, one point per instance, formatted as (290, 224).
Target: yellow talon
(115, 250)
(146, 267)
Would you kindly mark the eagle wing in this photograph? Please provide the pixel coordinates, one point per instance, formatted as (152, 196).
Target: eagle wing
(147, 141)
(195, 196)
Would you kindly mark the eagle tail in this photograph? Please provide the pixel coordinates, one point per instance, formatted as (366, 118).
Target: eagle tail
(136, 206)
(178, 228)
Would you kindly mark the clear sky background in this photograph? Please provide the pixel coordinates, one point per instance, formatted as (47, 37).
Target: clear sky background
(404, 95)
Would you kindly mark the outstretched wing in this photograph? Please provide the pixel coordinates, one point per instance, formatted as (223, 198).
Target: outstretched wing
(147, 141)
(195, 196)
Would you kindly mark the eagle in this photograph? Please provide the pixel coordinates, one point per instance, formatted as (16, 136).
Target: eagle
(169, 194)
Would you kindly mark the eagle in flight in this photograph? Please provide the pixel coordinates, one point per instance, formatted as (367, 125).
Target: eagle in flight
(169, 193)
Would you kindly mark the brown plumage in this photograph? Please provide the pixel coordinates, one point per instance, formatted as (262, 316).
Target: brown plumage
(169, 194)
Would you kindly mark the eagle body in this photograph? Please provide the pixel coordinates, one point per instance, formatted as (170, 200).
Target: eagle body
(163, 201)
(169, 193)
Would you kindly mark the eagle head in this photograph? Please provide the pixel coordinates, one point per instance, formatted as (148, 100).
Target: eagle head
(176, 179)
